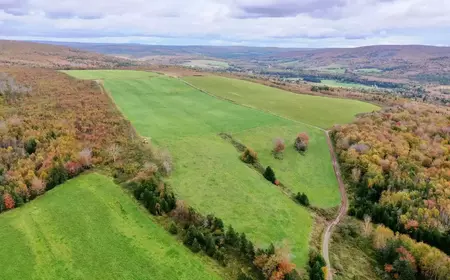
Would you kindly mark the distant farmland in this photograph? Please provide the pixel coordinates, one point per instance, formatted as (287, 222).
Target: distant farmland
(315, 110)
(89, 228)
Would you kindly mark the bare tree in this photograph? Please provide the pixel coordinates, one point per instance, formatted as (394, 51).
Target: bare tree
(85, 157)
(114, 151)
(367, 229)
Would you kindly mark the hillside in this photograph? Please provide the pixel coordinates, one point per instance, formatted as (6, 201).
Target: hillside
(402, 61)
(16, 53)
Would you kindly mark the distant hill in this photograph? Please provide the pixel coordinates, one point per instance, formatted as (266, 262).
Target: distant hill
(51, 56)
(383, 62)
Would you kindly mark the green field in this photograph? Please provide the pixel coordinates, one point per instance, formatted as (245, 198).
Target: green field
(368, 70)
(310, 173)
(315, 110)
(110, 74)
(335, 83)
(89, 228)
(207, 64)
(208, 173)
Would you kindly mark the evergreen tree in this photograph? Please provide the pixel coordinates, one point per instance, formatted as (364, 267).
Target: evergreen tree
(250, 251)
(190, 235)
(231, 237)
(218, 223)
(271, 250)
(243, 243)
(195, 247)
(269, 175)
(164, 206)
(210, 245)
(57, 175)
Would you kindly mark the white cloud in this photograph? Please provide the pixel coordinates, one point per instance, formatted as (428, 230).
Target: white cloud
(281, 22)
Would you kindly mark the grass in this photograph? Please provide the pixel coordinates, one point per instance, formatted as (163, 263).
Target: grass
(368, 70)
(353, 257)
(208, 174)
(208, 64)
(335, 83)
(311, 173)
(110, 74)
(89, 228)
(320, 111)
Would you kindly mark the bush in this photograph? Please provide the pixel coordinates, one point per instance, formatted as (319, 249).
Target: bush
(302, 199)
(173, 228)
(195, 247)
(249, 156)
(278, 148)
(269, 175)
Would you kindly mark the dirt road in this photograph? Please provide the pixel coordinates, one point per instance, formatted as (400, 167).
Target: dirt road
(342, 210)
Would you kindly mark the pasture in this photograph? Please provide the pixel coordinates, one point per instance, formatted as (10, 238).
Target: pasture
(310, 173)
(207, 64)
(335, 83)
(319, 111)
(208, 173)
(90, 228)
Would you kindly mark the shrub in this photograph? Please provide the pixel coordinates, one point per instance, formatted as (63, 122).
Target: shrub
(269, 175)
(8, 201)
(196, 247)
(30, 146)
(173, 228)
(249, 156)
(302, 199)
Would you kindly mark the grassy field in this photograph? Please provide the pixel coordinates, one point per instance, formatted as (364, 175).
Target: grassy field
(110, 74)
(368, 70)
(207, 64)
(310, 173)
(335, 83)
(89, 228)
(316, 110)
(208, 174)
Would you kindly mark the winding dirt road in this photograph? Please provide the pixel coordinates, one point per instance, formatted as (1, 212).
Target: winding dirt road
(342, 209)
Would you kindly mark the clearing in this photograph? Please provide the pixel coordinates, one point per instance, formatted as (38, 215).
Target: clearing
(336, 83)
(208, 173)
(320, 111)
(207, 64)
(118, 240)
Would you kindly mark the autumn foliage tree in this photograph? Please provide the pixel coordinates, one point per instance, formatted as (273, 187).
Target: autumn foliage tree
(8, 201)
(301, 142)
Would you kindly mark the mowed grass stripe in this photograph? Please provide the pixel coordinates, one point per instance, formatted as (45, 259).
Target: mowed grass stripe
(89, 228)
(320, 111)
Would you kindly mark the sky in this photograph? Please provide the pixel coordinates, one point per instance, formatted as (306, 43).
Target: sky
(278, 23)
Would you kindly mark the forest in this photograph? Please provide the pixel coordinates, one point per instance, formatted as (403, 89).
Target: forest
(397, 163)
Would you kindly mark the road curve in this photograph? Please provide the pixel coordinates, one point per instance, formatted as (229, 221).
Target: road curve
(342, 209)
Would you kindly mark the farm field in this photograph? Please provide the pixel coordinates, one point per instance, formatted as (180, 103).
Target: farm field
(319, 111)
(42, 240)
(310, 173)
(110, 74)
(208, 173)
(207, 64)
(335, 83)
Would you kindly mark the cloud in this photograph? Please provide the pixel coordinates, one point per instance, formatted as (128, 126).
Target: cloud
(254, 22)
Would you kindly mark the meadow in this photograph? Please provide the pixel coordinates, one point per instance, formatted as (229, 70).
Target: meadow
(207, 64)
(319, 111)
(208, 173)
(90, 228)
(335, 83)
(310, 172)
